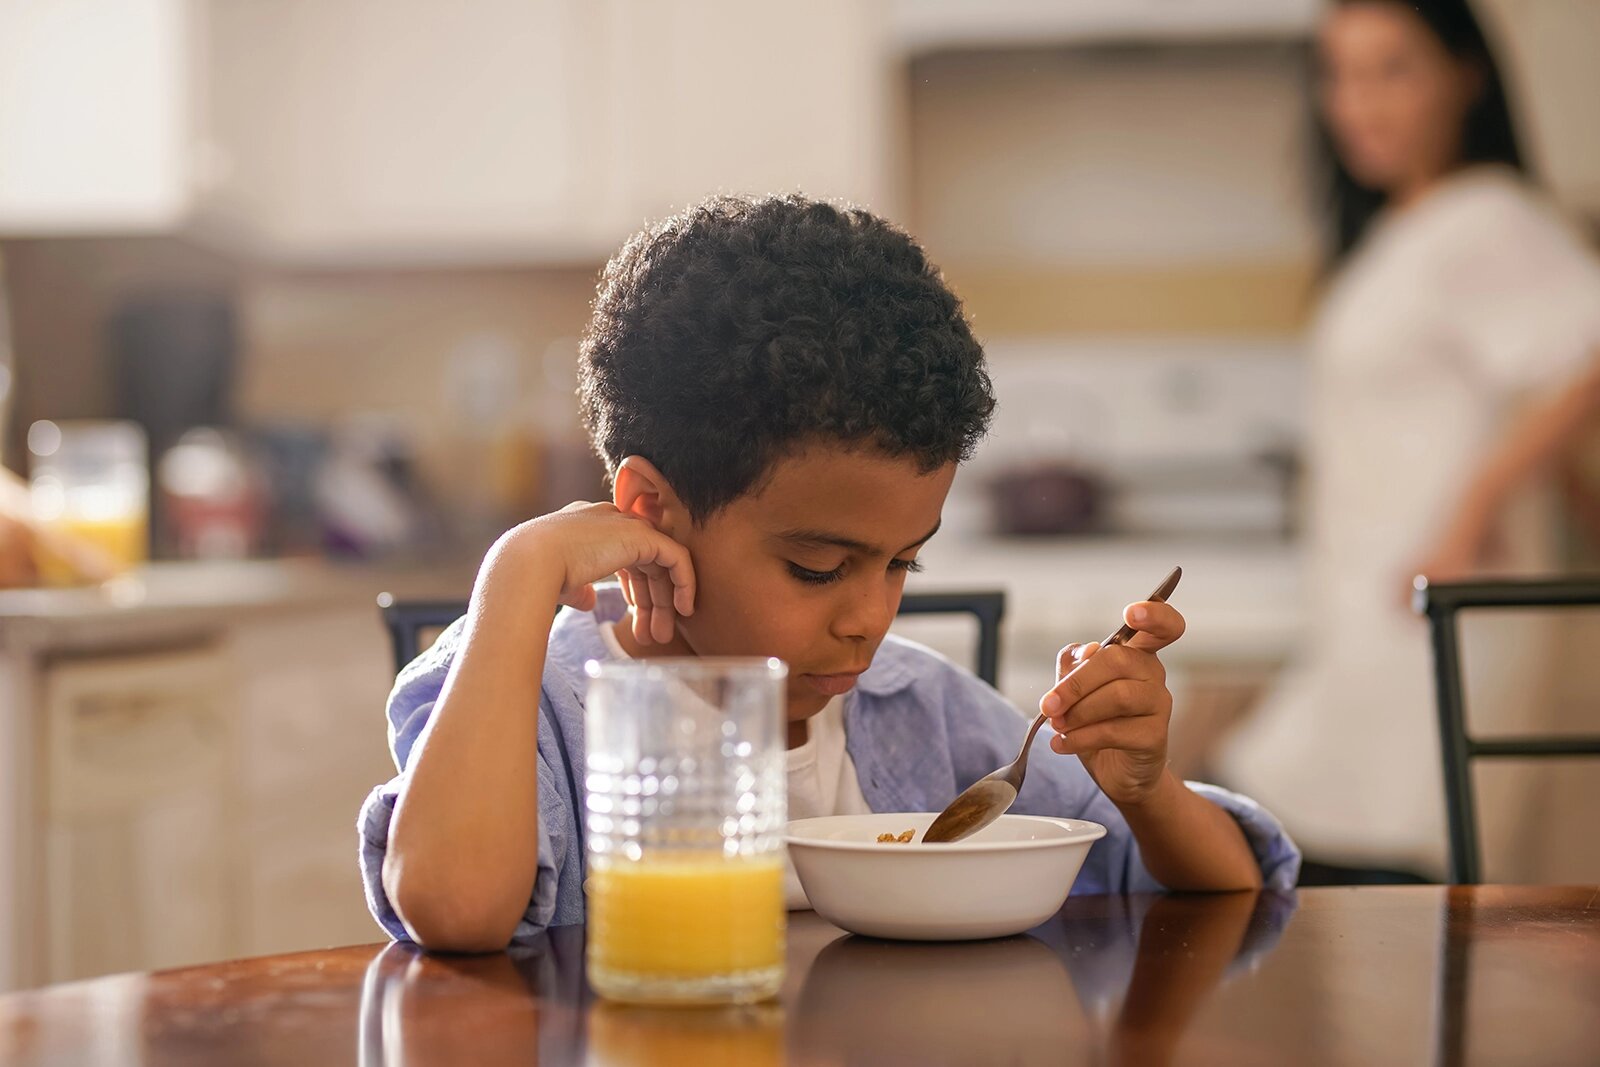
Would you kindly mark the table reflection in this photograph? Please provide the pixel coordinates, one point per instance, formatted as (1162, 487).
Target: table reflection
(1112, 980)
(419, 1009)
(1115, 983)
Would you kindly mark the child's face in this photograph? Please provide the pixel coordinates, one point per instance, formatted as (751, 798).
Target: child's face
(810, 567)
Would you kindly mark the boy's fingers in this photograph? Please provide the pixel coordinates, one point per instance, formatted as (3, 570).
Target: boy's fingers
(1097, 667)
(643, 606)
(1126, 734)
(1070, 656)
(1158, 625)
(675, 568)
(1121, 698)
(583, 598)
(663, 624)
(662, 620)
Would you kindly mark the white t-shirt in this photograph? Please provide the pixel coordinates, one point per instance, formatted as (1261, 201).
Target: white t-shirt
(1449, 316)
(822, 776)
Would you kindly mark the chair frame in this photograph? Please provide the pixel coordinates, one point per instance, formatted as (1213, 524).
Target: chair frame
(406, 620)
(1441, 603)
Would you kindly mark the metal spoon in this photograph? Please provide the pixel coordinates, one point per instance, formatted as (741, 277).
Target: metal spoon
(985, 800)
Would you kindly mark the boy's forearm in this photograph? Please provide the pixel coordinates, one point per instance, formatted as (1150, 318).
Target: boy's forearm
(1188, 843)
(462, 853)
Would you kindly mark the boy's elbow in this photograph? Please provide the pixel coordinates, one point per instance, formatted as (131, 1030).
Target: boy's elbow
(448, 918)
(454, 930)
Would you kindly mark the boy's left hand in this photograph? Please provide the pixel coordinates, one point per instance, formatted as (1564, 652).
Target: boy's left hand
(1111, 706)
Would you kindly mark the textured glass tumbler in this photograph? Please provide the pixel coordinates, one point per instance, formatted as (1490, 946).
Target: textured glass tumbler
(685, 808)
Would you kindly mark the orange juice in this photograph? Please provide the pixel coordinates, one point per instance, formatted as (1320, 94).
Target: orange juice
(691, 922)
(116, 543)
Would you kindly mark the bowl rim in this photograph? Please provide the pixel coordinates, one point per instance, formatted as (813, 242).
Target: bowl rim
(1080, 831)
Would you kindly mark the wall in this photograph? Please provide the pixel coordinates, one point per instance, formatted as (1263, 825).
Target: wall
(325, 344)
(1149, 190)
(315, 346)
(62, 294)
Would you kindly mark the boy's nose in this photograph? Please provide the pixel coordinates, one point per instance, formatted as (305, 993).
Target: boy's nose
(866, 614)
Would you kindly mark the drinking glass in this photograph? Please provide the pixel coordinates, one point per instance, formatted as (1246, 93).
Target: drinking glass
(91, 483)
(685, 808)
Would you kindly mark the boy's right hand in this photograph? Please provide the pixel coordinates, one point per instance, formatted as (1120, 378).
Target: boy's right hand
(592, 542)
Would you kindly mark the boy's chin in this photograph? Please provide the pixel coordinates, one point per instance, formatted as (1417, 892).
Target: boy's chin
(804, 704)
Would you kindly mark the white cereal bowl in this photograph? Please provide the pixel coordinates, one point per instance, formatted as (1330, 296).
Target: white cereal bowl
(1008, 877)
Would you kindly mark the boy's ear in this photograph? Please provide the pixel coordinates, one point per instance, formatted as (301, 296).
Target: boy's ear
(640, 490)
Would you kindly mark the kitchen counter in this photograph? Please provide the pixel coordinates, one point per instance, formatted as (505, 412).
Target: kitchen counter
(161, 600)
(202, 729)
(1243, 599)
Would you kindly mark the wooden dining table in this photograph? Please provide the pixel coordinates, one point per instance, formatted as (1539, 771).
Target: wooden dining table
(1371, 975)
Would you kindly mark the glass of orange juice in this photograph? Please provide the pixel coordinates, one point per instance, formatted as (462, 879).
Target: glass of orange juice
(685, 798)
(90, 483)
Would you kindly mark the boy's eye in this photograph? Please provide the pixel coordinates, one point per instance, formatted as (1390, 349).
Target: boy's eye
(811, 577)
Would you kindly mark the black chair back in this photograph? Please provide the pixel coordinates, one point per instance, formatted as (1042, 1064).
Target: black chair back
(409, 622)
(1441, 602)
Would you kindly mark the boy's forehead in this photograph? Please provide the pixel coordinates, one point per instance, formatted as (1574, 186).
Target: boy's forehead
(863, 495)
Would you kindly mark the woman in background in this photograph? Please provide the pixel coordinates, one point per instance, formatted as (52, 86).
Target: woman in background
(1455, 359)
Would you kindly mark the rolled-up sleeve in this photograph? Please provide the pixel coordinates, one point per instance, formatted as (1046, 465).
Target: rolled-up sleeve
(410, 706)
(1275, 853)
(1115, 864)
(378, 811)
(373, 826)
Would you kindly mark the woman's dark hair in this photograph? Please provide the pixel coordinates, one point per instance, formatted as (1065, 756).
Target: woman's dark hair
(731, 334)
(1488, 134)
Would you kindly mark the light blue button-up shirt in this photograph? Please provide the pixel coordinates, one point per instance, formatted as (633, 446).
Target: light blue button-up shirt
(919, 728)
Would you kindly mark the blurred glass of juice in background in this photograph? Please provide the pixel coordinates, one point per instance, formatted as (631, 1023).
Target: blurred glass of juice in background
(685, 815)
(90, 486)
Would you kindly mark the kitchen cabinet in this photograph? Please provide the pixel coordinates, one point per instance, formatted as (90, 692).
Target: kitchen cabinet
(928, 25)
(376, 128)
(527, 130)
(702, 96)
(138, 759)
(182, 756)
(96, 131)
(310, 698)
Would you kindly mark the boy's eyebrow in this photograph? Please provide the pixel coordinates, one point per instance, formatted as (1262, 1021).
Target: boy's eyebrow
(823, 537)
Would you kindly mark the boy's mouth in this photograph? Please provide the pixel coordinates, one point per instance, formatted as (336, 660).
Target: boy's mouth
(832, 684)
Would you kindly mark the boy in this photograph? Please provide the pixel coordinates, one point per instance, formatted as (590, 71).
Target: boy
(781, 391)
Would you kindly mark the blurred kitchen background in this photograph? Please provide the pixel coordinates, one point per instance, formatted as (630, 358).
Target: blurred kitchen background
(325, 264)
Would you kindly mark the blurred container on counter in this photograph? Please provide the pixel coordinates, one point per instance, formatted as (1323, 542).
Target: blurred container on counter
(292, 453)
(493, 457)
(90, 483)
(370, 499)
(1045, 498)
(212, 497)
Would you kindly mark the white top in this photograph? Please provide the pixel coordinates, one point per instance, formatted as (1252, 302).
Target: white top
(822, 776)
(1448, 316)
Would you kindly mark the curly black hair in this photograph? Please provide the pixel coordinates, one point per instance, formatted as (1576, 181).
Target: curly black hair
(727, 336)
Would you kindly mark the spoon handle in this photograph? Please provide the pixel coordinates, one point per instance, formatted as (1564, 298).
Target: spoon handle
(1125, 633)
(1163, 591)
(1021, 766)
